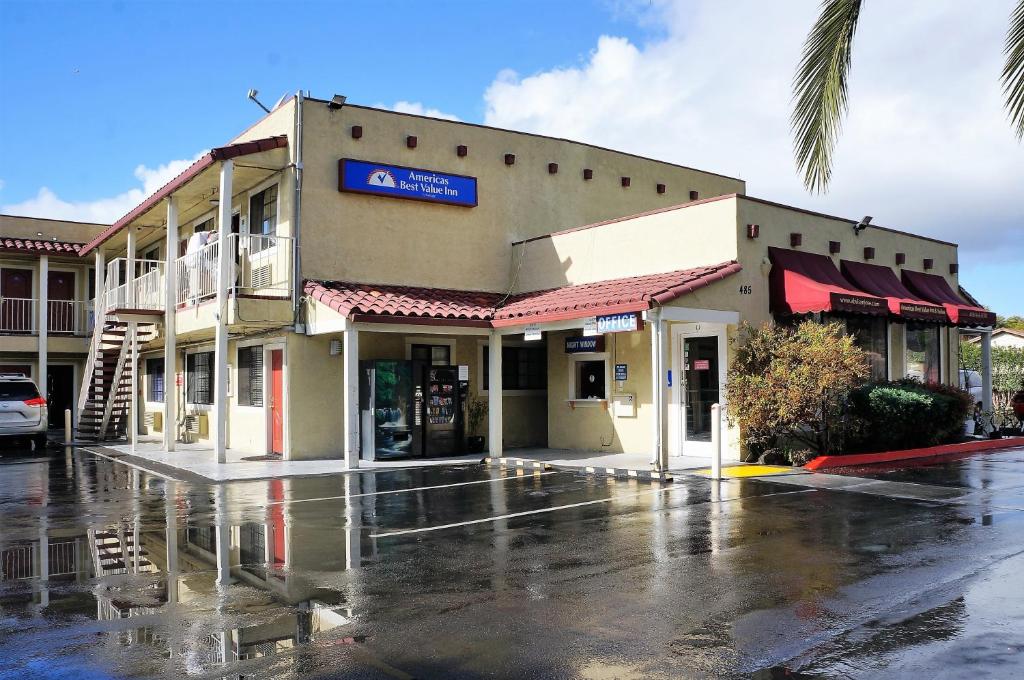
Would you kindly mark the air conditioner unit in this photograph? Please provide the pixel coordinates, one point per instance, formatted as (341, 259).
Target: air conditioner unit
(261, 276)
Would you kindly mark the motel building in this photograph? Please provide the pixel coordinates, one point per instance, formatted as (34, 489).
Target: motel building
(347, 282)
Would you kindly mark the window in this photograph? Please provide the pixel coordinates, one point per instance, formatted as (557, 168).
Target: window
(250, 376)
(869, 333)
(522, 368)
(199, 378)
(590, 379)
(155, 373)
(435, 355)
(923, 351)
(263, 212)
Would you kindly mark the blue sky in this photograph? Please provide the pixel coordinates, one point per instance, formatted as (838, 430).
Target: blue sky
(102, 101)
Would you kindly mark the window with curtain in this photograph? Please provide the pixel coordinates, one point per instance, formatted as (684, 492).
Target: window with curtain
(155, 373)
(870, 334)
(199, 378)
(924, 360)
(250, 376)
(522, 368)
(263, 212)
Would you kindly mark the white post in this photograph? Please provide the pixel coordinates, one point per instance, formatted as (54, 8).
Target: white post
(223, 545)
(67, 426)
(350, 385)
(100, 303)
(44, 324)
(170, 341)
(716, 441)
(224, 259)
(133, 337)
(353, 520)
(129, 275)
(986, 371)
(171, 537)
(658, 461)
(494, 388)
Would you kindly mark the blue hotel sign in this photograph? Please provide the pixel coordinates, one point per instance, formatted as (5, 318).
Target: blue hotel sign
(619, 323)
(397, 181)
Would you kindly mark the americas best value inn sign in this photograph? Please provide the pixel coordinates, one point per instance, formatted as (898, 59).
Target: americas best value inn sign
(397, 181)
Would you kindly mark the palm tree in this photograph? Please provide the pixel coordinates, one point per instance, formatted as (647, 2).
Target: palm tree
(820, 85)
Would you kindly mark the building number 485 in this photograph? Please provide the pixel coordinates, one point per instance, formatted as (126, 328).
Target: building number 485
(746, 290)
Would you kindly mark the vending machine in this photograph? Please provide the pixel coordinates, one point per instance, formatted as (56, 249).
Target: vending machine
(410, 409)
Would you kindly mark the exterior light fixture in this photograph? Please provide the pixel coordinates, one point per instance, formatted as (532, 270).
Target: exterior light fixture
(862, 225)
(410, 141)
(357, 131)
(588, 173)
(694, 195)
(869, 253)
(337, 101)
(660, 188)
(252, 95)
(552, 168)
(510, 159)
(796, 240)
(753, 230)
(834, 247)
(901, 258)
(625, 181)
(954, 268)
(928, 263)
(462, 151)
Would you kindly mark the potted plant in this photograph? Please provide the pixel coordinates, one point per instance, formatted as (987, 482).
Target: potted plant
(476, 411)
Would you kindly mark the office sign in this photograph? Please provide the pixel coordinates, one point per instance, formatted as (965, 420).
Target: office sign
(397, 181)
(619, 323)
(621, 372)
(577, 344)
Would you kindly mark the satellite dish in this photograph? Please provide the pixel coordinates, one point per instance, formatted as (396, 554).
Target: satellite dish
(285, 97)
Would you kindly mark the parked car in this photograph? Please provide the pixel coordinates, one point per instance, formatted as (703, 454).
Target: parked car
(23, 411)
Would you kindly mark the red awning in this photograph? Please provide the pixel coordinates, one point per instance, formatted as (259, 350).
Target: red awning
(934, 288)
(881, 281)
(801, 283)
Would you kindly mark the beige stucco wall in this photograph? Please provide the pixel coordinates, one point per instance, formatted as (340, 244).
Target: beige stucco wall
(64, 230)
(373, 239)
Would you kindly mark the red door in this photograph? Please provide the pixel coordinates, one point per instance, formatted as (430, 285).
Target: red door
(277, 401)
(60, 313)
(16, 300)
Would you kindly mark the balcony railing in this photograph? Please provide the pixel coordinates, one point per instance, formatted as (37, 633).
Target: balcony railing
(144, 290)
(260, 266)
(21, 315)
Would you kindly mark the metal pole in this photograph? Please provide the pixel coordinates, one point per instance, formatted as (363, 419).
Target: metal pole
(224, 282)
(716, 441)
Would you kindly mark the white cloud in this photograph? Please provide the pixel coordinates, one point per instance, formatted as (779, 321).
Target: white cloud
(926, 147)
(418, 109)
(102, 210)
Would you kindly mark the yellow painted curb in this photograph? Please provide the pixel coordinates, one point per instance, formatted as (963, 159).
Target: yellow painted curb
(749, 471)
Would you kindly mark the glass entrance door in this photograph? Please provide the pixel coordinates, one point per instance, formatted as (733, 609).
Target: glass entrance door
(700, 392)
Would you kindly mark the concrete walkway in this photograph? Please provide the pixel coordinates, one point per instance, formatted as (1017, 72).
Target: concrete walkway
(199, 460)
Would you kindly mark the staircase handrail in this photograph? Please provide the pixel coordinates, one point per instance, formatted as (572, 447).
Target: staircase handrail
(98, 326)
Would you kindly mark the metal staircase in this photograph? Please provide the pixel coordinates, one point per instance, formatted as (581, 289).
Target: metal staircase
(105, 398)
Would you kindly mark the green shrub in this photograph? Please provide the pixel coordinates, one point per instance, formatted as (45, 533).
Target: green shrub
(907, 414)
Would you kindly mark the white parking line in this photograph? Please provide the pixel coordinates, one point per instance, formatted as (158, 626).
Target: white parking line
(415, 488)
(539, 511)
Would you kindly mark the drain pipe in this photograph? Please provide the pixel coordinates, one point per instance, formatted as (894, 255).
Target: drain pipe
(297, 209)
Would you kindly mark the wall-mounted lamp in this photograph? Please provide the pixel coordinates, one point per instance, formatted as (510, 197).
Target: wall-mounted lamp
(795, 240)
(954, 268)
(694, 195)
(552, 168)
(337, 101)
(862, 225)
(357, 131)
(901, 259)
(588, 173)
(410, 141)
(252, 95)
(869, 253)
(753, 230)
(834, 247)
(625, 181)
(660, 188)
(928, 263)
(510, 159)
(462, 151)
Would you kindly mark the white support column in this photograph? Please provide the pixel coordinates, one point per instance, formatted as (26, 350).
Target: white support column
(220, 399)
(43, 320)
(171, 539)
(129, 275)
(350, 384)
(170, 341)
(986, 370)
(658, 459)
(133, 337)
(100, 303)
(223, 544)
(494, 396)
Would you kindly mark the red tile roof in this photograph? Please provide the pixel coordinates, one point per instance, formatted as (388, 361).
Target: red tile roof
(221, 153)
(10, 244)
(477, 308)
(631, 294)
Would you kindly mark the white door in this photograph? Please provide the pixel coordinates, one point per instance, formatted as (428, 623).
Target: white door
(700, 383)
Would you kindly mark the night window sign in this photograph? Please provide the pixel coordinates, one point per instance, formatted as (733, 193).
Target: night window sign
(581, 344)
(619, 323)
(397, 181)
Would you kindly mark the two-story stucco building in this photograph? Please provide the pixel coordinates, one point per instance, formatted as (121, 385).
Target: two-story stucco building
(342, 281)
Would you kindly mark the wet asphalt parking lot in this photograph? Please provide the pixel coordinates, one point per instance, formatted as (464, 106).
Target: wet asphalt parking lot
(477, 572)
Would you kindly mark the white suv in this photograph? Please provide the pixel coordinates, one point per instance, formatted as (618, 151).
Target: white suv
(23, 411)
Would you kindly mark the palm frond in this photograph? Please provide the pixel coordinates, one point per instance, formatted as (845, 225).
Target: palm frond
(1013, 71)
(819, 90)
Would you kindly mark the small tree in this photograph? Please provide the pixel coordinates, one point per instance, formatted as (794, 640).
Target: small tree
(794, 383)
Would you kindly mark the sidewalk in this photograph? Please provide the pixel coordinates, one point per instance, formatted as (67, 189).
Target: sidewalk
(198, 462)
